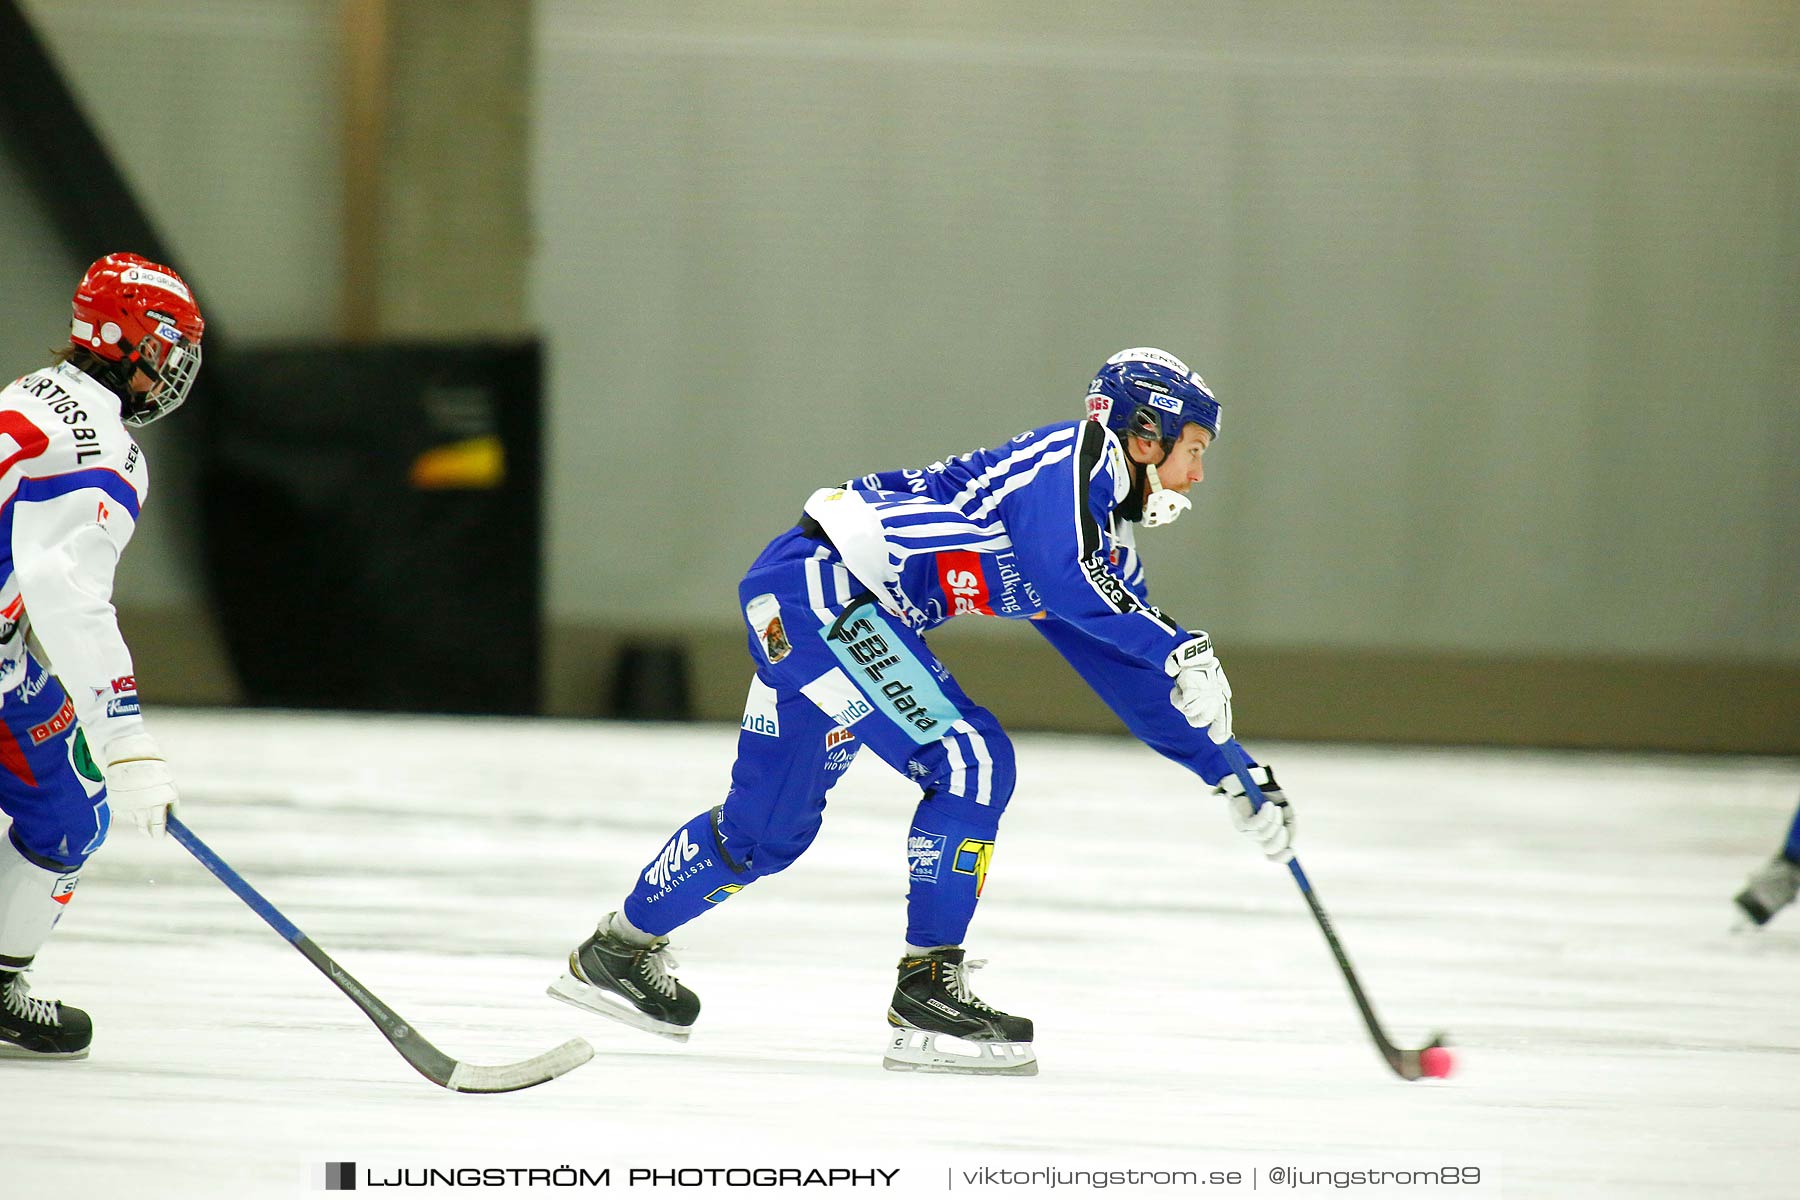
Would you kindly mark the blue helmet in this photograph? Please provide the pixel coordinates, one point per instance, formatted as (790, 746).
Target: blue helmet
(1149, 393)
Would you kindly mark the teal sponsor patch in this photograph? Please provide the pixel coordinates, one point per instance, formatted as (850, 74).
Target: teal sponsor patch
(898, 684)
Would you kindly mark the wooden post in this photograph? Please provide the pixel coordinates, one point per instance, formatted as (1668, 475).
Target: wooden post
(365, 25)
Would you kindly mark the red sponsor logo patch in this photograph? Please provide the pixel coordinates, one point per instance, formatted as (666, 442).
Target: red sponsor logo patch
(124, 683)
(838, 737)
(64, 718)
(959, 573)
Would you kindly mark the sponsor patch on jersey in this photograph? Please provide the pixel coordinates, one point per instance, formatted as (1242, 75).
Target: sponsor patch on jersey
(925, 855)
(1017, 594)
(82, 760)
(723, 893)
(668, 867)
(1111, 588)
(972, 858)
(840, 750)
(123, 706)
(899, 684)
(759, 710)
(65, 717)
(764, 615)
(64, 888)
(838, 761)
(838, 698)
(33, 685)
(964, 583)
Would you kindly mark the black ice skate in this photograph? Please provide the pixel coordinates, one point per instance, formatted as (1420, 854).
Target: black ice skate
(938, 1024)
(632, 984)
(1770, 889)
(31, 1028)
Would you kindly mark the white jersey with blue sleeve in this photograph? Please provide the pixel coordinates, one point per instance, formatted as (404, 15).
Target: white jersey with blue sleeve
(73, 482)
(1028, 529)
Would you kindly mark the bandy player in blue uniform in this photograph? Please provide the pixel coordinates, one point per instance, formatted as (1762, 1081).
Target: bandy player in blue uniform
(1040, 529)
(73, 748)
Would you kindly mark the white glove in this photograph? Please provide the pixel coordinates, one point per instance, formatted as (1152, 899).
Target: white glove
(1201, 691)
(139, 784)
(1271, 827)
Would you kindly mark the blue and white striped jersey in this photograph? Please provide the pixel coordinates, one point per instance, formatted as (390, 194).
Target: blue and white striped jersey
(1017, 532)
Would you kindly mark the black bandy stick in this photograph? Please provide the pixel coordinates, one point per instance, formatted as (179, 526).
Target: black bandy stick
(1431, 1059)
(425, 1058)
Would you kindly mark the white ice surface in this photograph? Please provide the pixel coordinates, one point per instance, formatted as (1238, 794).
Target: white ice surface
(1564, 917)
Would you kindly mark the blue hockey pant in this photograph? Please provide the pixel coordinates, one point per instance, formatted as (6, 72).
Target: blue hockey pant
(836, 673)
(49, 784)
(51, 789)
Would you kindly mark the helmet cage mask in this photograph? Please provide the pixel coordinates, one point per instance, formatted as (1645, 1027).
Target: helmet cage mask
(171, 362)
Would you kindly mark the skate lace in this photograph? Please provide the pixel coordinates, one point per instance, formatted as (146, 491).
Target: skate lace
(20, 1003)
(957, 984)
(656, 968)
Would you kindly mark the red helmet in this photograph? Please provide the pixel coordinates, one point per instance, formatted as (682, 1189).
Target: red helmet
(139, 315)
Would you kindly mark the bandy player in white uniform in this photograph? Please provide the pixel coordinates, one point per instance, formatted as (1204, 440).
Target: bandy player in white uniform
(73, 748)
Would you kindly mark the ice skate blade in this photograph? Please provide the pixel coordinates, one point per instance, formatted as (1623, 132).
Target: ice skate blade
(8, 1050)
(945, 1054)
(584, 995)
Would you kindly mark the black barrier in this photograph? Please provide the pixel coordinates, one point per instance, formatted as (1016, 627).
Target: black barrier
(372, 526)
